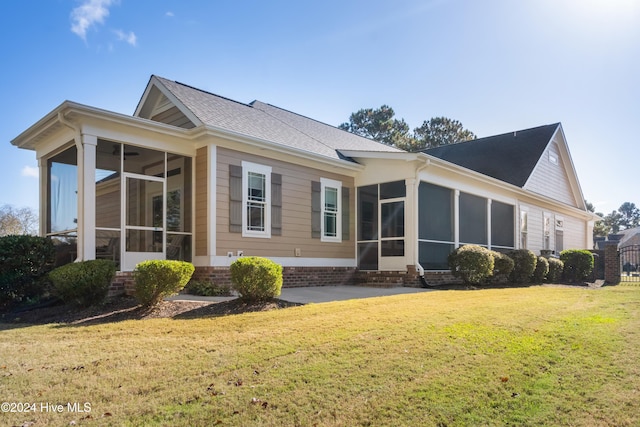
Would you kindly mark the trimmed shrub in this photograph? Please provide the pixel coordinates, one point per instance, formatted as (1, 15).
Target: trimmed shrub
(256, 278)
(158, 279)
(83, 283)
(24, 264)
(541, 270)
(472, 263)
(207, 289)
(555, 270)
(502, 265)
(524, 265)
(578, 264)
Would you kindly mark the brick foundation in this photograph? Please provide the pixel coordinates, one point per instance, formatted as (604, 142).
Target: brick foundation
(294, 277)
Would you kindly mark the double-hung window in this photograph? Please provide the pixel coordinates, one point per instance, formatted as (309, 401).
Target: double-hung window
(330, 202)
(256, 200)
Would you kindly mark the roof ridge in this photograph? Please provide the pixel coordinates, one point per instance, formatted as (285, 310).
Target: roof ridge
(205, 91)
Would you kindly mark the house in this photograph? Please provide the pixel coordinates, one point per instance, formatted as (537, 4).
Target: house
(199, 177)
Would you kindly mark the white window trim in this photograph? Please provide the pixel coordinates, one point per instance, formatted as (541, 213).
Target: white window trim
(330, 183)
(248, 167)
(524, 228)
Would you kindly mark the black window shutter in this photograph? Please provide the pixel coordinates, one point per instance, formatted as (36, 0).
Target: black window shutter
(235, 199)
(316, 211)
(345, 213)
(276, 204)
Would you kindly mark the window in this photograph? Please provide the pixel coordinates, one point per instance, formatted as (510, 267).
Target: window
(435, 225)
(523, 229)
(546, 224)
(331, 201)
(256, 200)
(502, 226)
(473, 219)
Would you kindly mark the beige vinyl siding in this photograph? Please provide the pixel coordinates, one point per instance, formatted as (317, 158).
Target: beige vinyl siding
(173, 116)
(575, 233)
(550, 179)
(296, 212)
(201, 191)
(108, 204)
(574, 229)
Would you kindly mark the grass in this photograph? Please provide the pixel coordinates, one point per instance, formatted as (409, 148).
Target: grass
(527, 357)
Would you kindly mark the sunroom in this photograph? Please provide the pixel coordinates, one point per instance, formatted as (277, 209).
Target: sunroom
(113, 186)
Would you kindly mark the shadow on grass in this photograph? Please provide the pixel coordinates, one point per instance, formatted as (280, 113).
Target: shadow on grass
(121, 309)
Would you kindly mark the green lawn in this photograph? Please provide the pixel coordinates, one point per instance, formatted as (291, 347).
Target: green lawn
(539, 356)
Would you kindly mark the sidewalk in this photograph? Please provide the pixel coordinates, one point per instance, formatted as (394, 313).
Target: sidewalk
(318, 294)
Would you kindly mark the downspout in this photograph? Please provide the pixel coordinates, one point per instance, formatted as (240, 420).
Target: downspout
(78, 141)
(419, 267)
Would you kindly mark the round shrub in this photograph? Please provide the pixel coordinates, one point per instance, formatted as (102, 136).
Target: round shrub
(158, 279)
(578, 264)
(524, 265)
(256, 278)
(472, 263)
(502, 265)
(24, 264)
(555, 270)
(541, 270)
(83, 283)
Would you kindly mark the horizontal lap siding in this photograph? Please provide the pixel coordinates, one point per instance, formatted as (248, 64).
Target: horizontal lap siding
(296, 212)
(551, 179)
(201, 202)
(574, 235)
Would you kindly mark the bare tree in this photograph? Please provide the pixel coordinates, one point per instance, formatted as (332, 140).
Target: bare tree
(17, 221)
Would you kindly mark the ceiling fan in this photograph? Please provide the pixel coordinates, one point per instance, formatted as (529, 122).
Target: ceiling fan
(116, 151)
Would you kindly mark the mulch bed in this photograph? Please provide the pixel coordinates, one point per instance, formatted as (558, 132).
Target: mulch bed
(127, 308)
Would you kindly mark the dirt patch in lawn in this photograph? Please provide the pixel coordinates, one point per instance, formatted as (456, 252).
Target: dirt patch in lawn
(127, 308)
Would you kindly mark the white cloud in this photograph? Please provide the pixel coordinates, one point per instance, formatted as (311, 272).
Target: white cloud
(127, 37)
(169, 14)
(30, 171)
(90, 13)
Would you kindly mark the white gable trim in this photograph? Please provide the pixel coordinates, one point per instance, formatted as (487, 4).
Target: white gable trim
(565, 161)
(150, 101)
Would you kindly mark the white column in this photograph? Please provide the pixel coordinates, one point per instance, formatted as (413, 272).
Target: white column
(489, 223)
(212, 203)
(412, 222)
(43, 204)
(87, 198)
(456, 219)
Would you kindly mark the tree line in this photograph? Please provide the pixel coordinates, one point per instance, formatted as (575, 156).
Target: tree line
(627, 216)
(381, 125)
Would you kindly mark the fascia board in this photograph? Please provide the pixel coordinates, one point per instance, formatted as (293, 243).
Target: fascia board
(82, 112)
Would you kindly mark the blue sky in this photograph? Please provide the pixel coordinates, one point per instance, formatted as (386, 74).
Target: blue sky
(495, 65)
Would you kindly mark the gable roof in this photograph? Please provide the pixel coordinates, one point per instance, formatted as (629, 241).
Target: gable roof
(510, 157)
(256, 120)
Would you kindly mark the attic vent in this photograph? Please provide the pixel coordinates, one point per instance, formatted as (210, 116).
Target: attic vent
(553, 158)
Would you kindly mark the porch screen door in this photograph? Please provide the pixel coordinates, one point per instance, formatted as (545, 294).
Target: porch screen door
(144, 219)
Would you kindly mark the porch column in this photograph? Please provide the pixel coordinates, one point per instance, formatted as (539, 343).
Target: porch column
(87, 197)
(412, 223)
(43, 202)
(489, 223)
(456, 219)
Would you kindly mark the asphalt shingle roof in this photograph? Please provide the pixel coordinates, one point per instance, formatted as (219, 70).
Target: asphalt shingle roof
(270, 123)
(509, 157)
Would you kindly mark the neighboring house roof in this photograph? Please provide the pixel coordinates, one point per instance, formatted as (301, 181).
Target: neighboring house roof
(630, 237)
(510, 157)
(257, 120)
